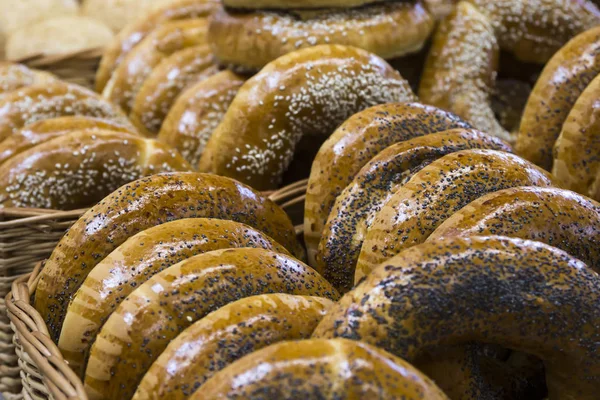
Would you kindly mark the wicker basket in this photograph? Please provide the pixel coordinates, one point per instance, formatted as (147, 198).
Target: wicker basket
(30, 358)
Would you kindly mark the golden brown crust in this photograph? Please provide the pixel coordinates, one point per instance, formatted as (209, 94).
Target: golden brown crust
(169, 302)
(47, 129)
(252, 40)
(197, 112)
(224, 336)
(353, 144)
(134, 33)
(164, 84)
(521, 294)
(35, 103)
(435, 193)
(305, 93)
(137, 260)
(558, 217)
(81, 167)
(559, 86)
(356, 207)
(141, 205)
(129, 76)
(576, 162)
(320, 369)
(17, 76)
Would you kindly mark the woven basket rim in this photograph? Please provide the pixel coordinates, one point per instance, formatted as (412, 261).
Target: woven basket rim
(28, 324)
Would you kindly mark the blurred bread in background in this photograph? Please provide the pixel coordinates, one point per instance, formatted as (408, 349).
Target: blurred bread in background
(118, 13)
(58, 35)
(16, 14)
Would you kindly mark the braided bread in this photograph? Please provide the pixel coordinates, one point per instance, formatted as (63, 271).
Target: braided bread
(175, 298)
(353, 145)
(78, 169)
(225, 335)
(521, 294)
(461, 68)
(356, 207)
(134, 33)
(435, 193)
(148, 202)
(305, 93)
(321, 369)
(35, 103)
(47, 129)
(197, 112)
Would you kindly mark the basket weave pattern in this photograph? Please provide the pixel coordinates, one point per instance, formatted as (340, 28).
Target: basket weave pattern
(27, 237)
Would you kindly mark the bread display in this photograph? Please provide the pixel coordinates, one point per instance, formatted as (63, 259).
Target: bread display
(372, 188)
(462, 65)
(137, 260)
(78, 169)
(224, 336)
(154, 201)
(249, 40)
(321, 369)
(197, 112)
(516, 293)
(305, 93)
(144, 323)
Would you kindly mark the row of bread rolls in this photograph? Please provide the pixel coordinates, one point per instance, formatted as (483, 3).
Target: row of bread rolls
(64, 147)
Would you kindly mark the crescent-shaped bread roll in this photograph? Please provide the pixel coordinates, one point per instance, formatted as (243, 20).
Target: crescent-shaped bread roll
(520, 294)
(197, 112)
(353, 145)
(130, 75)
(164, 84)
(155, 313)
(356, 207)
(137, 260)
(560, 218)
(308, 92)
(435, 193)
(78, 169)
(224, 336)
(576, 163)
(320, 369)
(132, 34)
(140, 205)
(47, 129)
(58, 99)
(17, 76)
(559, 86)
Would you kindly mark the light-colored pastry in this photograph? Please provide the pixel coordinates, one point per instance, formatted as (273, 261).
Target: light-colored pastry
(197, 112)
(17, 76)
(356, 207)
(306, 93)
(58, 35)
(137, 260)
(141, 205)
(130, 75)
(224, 336)
(252, 40)
(353, 145)
(15, 14)
(320, 369)
(47, 129)
(81, 167)
(116, 14)
(559, 86)
(45, 101)
(520, 294)
(164, 84)
(142, 326)
(558, 217)
(136, 31)
(436, 192)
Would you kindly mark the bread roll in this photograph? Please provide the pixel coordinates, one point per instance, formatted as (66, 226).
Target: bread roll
(17, 76)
